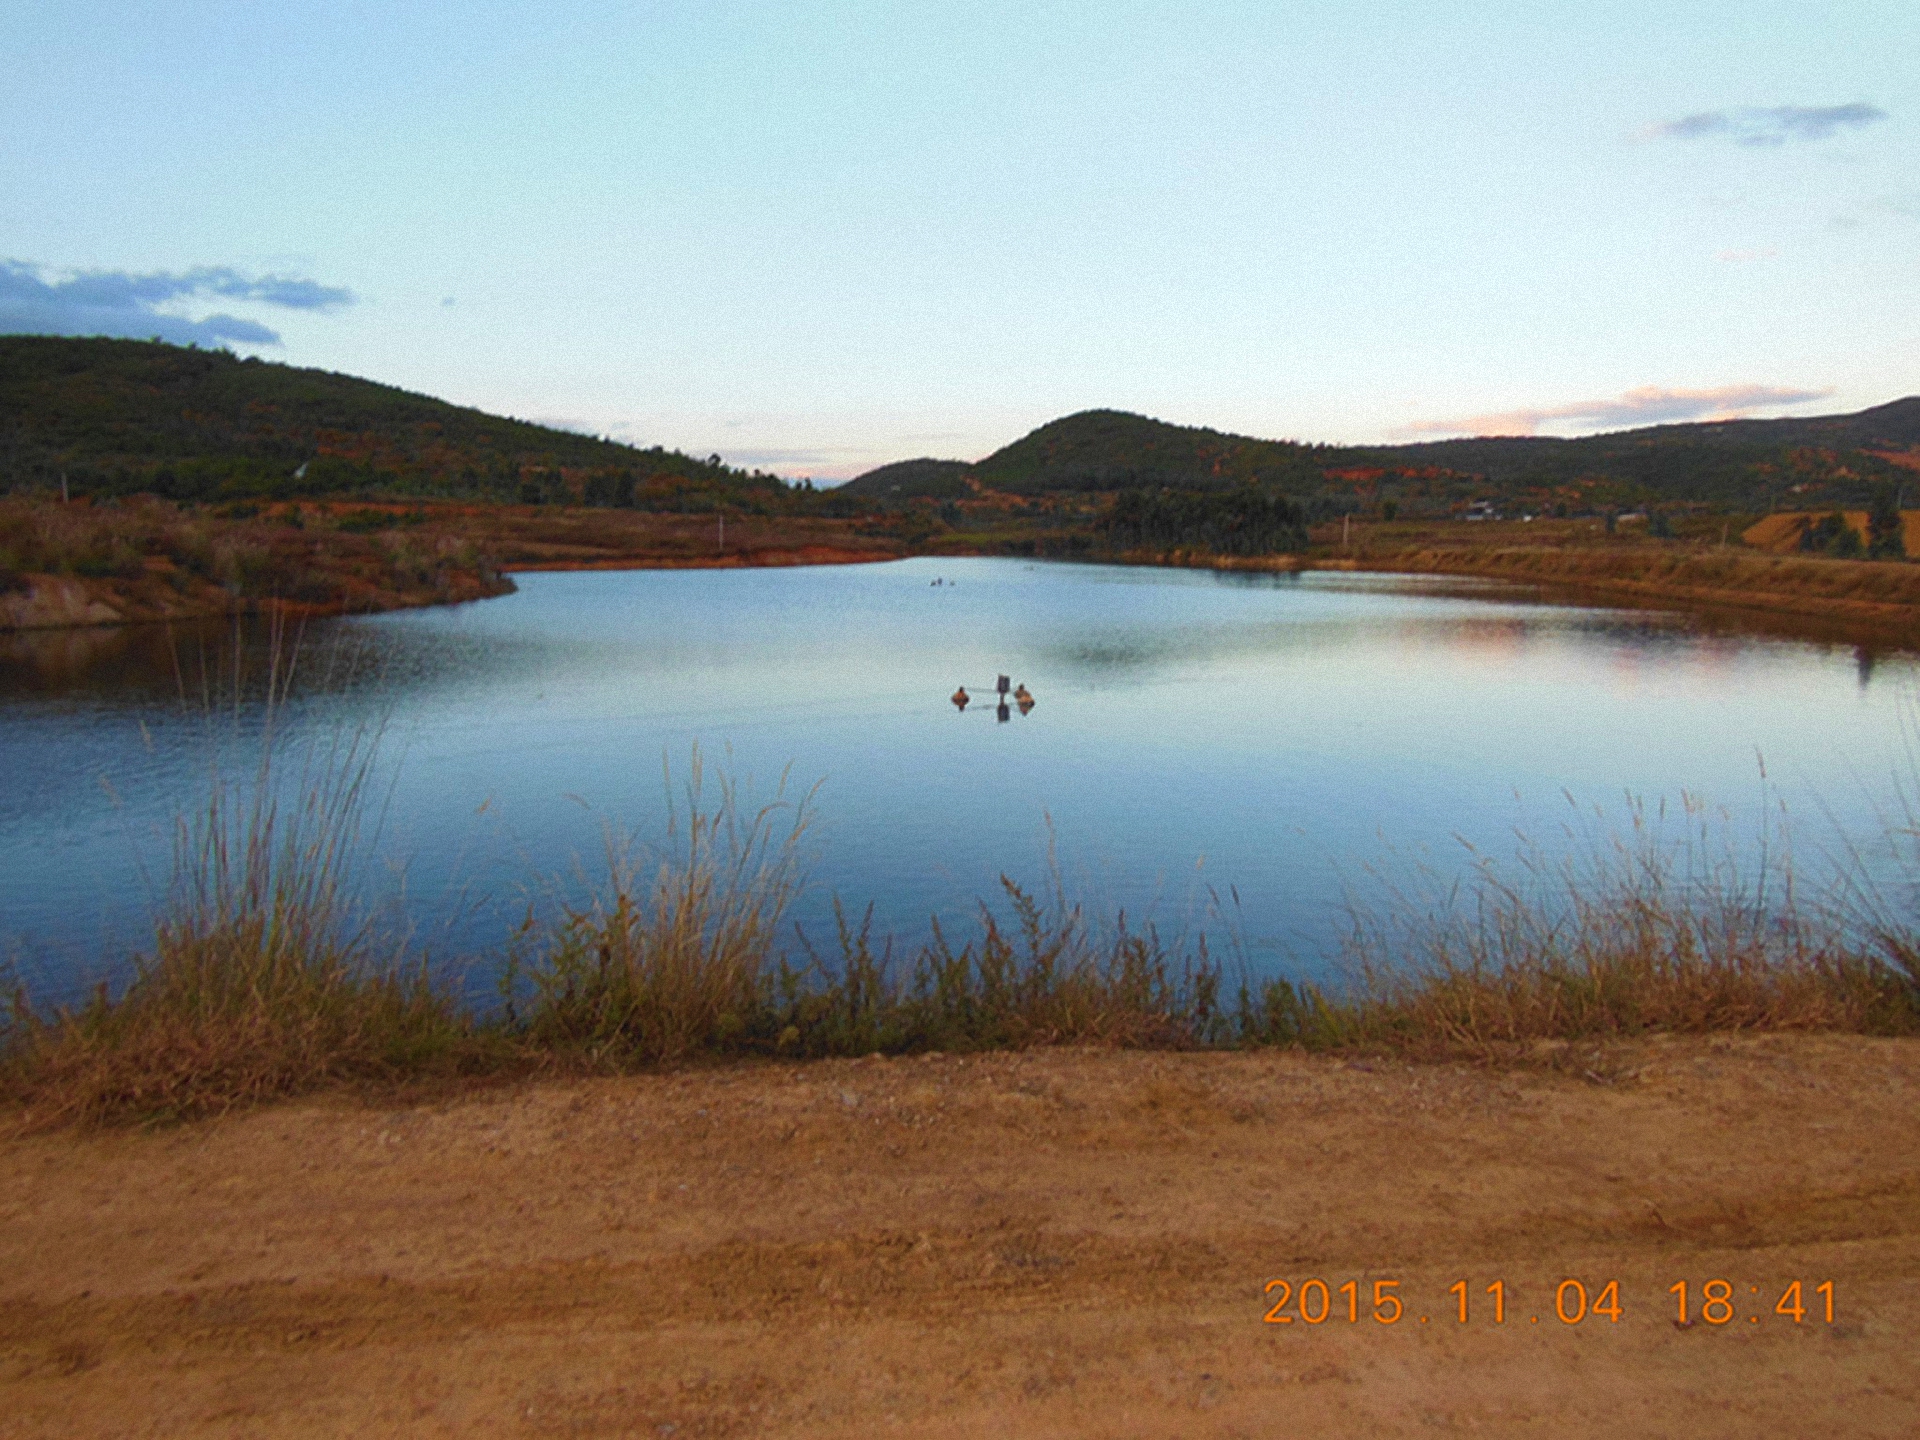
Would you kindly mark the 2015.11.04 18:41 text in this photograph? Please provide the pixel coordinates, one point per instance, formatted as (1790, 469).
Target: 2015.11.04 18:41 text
(1315, 1301)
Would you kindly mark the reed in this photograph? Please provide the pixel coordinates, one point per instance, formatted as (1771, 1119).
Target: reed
(1657, 925)
(679, 953)
(676, 952)
(266, 978)
(1041, 976)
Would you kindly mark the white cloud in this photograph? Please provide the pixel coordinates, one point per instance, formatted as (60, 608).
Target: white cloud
(1647, 405)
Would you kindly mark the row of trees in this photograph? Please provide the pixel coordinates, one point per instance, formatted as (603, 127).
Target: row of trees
(1886, 537)
(1247, 520)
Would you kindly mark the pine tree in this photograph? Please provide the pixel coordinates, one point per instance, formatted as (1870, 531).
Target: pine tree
(1886, 531)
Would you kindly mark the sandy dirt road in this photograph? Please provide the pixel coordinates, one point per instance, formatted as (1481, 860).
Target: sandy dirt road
(1068, 1243)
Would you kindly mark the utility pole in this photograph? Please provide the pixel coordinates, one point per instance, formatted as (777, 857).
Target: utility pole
(723, 530)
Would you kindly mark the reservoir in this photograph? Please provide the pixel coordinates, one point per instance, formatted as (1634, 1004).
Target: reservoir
(1237, 754)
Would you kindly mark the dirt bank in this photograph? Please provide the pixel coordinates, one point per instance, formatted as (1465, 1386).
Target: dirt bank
(63, 567)
(1047, 1243)
(1878, 599)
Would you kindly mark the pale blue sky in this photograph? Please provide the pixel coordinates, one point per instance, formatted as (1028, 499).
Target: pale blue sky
(817, 237)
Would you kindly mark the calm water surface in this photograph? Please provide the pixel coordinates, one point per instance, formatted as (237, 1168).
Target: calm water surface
(1194, 733)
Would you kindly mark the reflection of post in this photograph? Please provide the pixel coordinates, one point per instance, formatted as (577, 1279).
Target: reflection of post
(1005, 712)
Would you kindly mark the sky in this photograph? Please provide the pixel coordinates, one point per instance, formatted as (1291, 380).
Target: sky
(817, 237)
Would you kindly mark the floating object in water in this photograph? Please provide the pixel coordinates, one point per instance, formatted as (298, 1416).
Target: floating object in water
(1007, 696)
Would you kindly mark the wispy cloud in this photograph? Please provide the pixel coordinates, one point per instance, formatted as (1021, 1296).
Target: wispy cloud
(787, 459)
(1770, 125)
(1648, 405)
(123, 303)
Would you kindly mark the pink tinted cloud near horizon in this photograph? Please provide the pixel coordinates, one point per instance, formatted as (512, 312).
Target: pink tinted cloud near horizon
(1645, 405)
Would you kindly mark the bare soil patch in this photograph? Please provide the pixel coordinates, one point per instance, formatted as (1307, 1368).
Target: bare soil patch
(1063, 1242)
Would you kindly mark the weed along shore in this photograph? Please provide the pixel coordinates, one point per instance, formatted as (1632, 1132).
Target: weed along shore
(264, 981)
(1618, 1127)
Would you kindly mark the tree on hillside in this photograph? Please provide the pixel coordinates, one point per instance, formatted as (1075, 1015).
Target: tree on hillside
(1833, 536)
(1886, 531)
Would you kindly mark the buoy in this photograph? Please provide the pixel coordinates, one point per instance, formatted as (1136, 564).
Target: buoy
(960, 698)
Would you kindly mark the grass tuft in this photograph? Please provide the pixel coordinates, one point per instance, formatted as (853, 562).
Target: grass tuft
(265, 978)
(676, 956)
(1614, 936)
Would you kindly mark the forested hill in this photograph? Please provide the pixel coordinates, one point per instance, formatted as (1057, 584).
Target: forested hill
(1748, 464)
(1710, 455)
(1103, 450)
(120, 416)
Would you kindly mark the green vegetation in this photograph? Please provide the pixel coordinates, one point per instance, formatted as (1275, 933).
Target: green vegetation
(1833, 536)
(1886, 531)
(1748, 466)
(118, 418)
(1247, 520)
(925, 479)
(123, 417)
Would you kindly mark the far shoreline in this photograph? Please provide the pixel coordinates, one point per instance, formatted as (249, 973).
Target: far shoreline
(1736, 587)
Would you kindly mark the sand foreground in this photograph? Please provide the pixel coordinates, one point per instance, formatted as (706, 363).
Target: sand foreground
(1072, 1243)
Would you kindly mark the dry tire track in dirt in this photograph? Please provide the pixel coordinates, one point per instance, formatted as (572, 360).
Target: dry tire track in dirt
(1045, 1243)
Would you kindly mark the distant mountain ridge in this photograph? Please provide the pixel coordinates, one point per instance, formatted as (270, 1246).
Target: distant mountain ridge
(115, 416)
(1727, 462)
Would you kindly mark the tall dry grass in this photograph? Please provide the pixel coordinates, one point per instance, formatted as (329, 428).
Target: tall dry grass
(1659, 924)
(680, 952)
(1040, 975)
(267, 976)
(676, 951)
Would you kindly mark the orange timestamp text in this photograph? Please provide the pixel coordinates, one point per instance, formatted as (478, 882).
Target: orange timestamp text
(1717, 1302)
